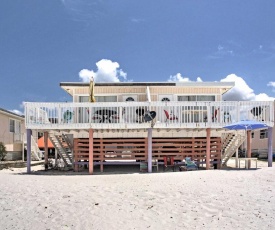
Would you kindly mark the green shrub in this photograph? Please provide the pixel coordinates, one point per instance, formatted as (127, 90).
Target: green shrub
(3, 151)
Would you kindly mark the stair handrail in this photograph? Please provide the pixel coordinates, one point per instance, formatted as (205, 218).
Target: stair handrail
(35, 149)
(64, 150)
(233, 145)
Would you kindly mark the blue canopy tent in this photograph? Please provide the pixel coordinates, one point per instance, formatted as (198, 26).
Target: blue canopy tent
(246, 125)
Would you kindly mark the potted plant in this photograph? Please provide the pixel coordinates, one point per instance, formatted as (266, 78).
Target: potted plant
(3, 151)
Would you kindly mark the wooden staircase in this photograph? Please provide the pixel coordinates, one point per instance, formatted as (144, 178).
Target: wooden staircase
(64, 148)
(36, 154)
(231, 143)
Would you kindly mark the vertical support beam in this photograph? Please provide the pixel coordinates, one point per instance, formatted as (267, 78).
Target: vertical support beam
(101, 154)
(91, 151)
(23, 138)
(269, 156)
(29, 150)
(208, 135)
(46, 153)
(150, 150)
(75, 159)
(237, 159)
(248, 144)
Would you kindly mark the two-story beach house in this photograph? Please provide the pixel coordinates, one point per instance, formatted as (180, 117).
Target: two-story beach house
(137, 122)
(12, 130)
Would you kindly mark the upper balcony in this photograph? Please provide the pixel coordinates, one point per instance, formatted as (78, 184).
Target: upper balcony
(130, 115)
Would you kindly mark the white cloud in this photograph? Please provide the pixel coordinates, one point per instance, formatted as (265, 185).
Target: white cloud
(180, 78)
(137, 20)
(107, 71)
(17, 112)
(272, 84)
(263, 97)
(199, 79)
(241, 91)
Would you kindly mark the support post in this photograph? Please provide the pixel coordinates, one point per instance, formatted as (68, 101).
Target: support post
(208, 135)
(29, 150)
(248, 134)
(46, 153)
(76, 166)
(150, 150)
(269, 156)
(91, 151)
(237, 158)
(23, 150)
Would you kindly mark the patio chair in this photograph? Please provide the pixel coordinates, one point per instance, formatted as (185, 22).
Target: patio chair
(168, 161)
(155, 164)
(96, 117)
(170, 117)
(189, 165)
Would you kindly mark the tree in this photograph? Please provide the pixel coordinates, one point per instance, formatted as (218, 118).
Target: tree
(3, 151)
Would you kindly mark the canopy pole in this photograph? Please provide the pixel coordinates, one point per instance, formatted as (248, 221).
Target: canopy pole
(248, 135)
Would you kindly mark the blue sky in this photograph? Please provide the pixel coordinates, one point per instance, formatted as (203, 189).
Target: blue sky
(43, 43)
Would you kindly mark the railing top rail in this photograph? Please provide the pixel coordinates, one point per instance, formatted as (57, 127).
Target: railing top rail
(145, 103)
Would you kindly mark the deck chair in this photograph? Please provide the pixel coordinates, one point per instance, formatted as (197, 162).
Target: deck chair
(155, 164)
(170, 116)
(189, 165)
(168, 161)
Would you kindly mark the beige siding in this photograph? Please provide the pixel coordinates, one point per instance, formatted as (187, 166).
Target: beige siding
(112, 90)
(184, 90)
(6, 136)
(153, 90)
(258, 143)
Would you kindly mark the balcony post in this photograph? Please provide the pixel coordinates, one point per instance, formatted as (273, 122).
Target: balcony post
(149, 150)
(237, 158)
(91, 151)
(29, 150)
(208, 135)
(269, 157)
(46, 155)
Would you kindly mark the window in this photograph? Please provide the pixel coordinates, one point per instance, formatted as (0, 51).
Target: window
(99, 99)
(263, 133)
(130, 99)
(165, 99)
(12, 126)
(197, 98)
(106, 98)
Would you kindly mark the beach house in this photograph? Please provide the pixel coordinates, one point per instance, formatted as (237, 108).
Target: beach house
(259, 143)
(12, 130)
(144, 123)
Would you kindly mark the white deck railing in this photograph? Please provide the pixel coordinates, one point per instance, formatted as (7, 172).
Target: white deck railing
(119, 115)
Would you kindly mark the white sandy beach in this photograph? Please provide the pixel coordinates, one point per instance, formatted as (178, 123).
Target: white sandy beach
(213, 199)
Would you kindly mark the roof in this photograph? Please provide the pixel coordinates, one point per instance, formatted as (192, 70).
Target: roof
(7, 112)
(189, 83)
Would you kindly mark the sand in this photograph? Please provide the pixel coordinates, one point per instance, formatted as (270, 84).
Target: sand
(212, 199)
